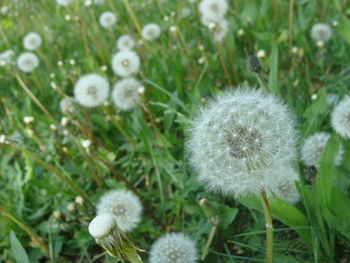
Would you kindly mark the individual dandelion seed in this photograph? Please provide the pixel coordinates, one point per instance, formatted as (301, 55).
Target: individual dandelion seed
(126, 63)
(27, 62)
(239, 138)
(125, 42)
(64, 2)
(126, 94)
(91, 90)
(213, 9)
(340, 118)
(281, 182)
(313, 147)
(32, 41)
(321, 32)
(150, 32)
(67, 104)
(107, 19)
(124, 205)
(173, 248)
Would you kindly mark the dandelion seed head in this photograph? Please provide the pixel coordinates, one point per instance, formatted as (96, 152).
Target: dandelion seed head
(321, 32)
(151, 32)
(213, 9)
(107, 19)
(67, 104)
(173, 248)
(64, 2)
(91, 90)
(126, 94)
(32, 41)
(27, 62)
(126, 63)
(125, 42)
(340, 118)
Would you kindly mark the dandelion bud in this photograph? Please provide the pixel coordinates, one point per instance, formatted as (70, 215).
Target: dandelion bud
(335, 23)
(28, 119)
(67, 17)
(240, 32)
(64, 121)
(173, 29)
(254, 64)
(295, 50)
(71, 207)
(53, 127)
(261, 53)
(320, 44)
(57, 214)
(79, 200)
(72, 62)
(60, 63)
(2, 139)
(85, 143)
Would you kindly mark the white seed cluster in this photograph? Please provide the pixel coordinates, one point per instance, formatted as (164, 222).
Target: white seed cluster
(27, 62)
(321, 32)
(67, 104)
(126, 63)
(32, 41)
(125, 42)
(151, 32)
(108, 19)
(173, 248)
(341, 118)
(126, 94)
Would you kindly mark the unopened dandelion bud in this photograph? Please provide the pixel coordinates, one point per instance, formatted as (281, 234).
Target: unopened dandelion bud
(71, 207)
(79, 200)
(2, 139)
(28, 119)
(64, 121)
(254, 64)
(240, 32)
(208, 210)
(85, 143)
(261, 53)
(53, 127)
(57, 214)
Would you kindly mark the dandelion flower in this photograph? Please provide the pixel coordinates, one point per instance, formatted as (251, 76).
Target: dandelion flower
(239, 138)
(64, 2)
(124, 205)
(125, 42)
(150, 32)
(173, 248)
(67, 104)
(107, 19)
(213, 8)
(281, 182)
(27, 62)
(219, 29)
(91, 90)
(321, 32)
(340, 118)
(126, 94)
(32, 41)
(313, 147)
(126, 63)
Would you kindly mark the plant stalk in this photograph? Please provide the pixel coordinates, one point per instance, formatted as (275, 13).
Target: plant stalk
(269, 227)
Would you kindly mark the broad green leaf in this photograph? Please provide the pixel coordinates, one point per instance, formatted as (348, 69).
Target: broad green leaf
(17, 250)
(227, 215)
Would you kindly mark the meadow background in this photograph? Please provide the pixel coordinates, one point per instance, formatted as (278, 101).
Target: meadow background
(50, 179)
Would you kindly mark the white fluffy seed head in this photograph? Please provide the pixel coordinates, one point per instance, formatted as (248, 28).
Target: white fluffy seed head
(213, 9)
(239, 138)
(219, 29)
(340, 118)
(321, 32)
(91, 90)
(27, 62)
(173, 248)
(124, 205)
(64, 2)
(151, 32)
(126, 94)
(125, 42)
(32, 41)
(67, 104)
(102, 225)
(126, 63)
(313, 147)
(7, 56)
(107, 19)
(281, 182)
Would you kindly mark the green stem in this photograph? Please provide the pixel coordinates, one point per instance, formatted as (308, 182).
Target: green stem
(117, 123)
(269, 228)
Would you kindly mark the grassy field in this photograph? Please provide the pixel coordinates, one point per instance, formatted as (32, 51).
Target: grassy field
(55, 165)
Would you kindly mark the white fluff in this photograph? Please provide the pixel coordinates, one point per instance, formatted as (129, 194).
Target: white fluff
(213, 9)
(239, 138)
(124, 205)
(125, 42)
(91, 90)
(102, 225)
(321, 32)
(340, 118)
(64, 2)
(126, 63)
(219, 29)
(107, 19)
(125, 93)
(173, 248)
(27, 62)
(151, 32)
(67, 104)
(6, 56)
(32, 41)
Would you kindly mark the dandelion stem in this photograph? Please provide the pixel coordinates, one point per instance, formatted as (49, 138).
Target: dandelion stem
(132, 16)
(222, 60)
(232, 60)
(209, 241)
(269, 227)
(290, 21)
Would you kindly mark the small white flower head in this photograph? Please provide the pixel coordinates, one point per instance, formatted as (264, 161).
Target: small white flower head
(185, 12)
(27, 62)
(108, 19)
(125, 42)
(32, 41)
(91, 90)
(340, 118)
(124, 205)
(126, 63)
(102, 226)
(213, 9)
(321, 32)
(85, 143)
(64, 2)
(281, 182)
(28, 119)
(67, 104)
(239, 138)
(240, 32)
(64, 121)
(126, 94)
(173, 248)
(7, 56)
(151, 32)
(261, 53)
(313, 147)
(79, 200)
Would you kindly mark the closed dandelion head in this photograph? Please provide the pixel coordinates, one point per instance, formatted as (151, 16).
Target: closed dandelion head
(126, 94)
(239, 138)
(107, 19)
(27, 62)
(124, 205)
(32, 41)
(340, 118)
(281, 182)
(126, 63)
(125, 42)
(151, 32)
(173, 248)
(91, 90)
(321, 32)
(102, 225)
(213, 8)
(67, 104)
(313, 147)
